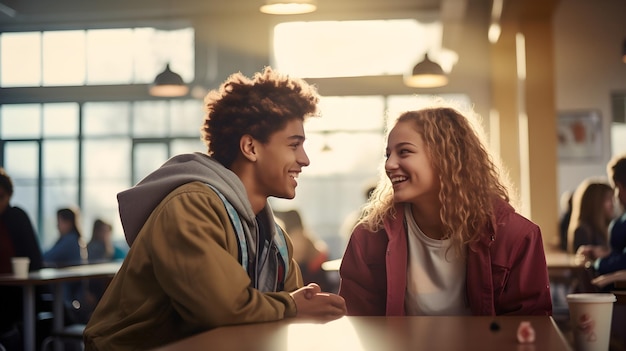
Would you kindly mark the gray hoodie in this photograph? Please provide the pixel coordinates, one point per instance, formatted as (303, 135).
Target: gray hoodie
(137, 203)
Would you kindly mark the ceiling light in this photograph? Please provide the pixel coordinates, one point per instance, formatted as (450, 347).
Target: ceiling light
(426, 74)
(168, 84)
(494, 32)
(287, 7)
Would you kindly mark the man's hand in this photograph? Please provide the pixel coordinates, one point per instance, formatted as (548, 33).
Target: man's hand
(591, 252)
(311, 302)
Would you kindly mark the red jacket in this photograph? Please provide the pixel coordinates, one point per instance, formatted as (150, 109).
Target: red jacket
(506, 270)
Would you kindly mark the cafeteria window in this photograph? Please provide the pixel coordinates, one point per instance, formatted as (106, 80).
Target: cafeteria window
(94, 56)
(81, 154)
(322, 49)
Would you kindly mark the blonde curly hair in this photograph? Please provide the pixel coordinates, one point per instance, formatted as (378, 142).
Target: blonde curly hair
(469, 177)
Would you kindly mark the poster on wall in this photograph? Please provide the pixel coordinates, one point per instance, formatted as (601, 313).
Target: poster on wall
(579, 135)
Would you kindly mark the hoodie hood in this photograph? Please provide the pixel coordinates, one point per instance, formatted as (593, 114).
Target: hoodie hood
(137, 203)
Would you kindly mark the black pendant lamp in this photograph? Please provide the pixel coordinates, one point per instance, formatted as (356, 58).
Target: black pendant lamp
(168, 84)
(426, 74)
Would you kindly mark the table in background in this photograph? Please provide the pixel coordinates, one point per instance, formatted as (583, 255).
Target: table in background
(53, 276)
(379, 333)
(559, 261)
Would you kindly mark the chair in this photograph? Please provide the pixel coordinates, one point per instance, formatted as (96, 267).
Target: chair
(72, 333)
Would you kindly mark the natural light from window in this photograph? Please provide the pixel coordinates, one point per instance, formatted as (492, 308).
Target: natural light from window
(358, 48)
(94, 57)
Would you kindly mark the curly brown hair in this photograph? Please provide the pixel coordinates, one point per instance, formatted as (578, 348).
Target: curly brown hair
(469, 177)
(258, 107)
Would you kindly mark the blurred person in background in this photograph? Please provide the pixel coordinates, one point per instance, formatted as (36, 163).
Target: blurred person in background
(608, 261)
(70, 250)
(592, 211)
(101, 247)
(17, 239)
(588, 231)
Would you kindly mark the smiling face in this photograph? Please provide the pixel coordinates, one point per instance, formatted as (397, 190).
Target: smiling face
(408, 166)
(280, 161)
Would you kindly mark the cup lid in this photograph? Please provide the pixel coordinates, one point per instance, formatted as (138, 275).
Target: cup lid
(591, 297)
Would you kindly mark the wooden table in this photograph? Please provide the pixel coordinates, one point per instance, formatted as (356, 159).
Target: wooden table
(568, 270)
(379, 333)
(53, 276)
(559, 261)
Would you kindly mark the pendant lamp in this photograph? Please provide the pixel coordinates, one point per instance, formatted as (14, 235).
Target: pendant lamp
(288, 7)
(426, 74)
(168, 84)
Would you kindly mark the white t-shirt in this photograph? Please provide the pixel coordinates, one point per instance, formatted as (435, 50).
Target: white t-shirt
(435, 283)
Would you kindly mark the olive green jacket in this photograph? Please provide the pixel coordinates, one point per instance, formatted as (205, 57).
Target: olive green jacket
(182, 276)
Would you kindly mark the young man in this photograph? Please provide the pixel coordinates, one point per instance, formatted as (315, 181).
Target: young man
(205, 251)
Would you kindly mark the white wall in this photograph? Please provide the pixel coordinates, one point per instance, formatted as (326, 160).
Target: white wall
(588, 38)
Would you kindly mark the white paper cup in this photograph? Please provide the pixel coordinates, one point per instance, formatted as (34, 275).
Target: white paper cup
(590, 316)
(20, 266)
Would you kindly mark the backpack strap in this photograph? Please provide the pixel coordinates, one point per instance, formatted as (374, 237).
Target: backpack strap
(279, 236)
(236, 222)
(281, 244)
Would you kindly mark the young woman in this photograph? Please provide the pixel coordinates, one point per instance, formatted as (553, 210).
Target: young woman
(101, 247)
(438, 236)
(593, 209)
(70, 248)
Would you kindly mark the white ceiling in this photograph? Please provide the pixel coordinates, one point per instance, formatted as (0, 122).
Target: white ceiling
(34, 14)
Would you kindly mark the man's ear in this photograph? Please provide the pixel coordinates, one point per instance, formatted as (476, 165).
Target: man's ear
(247, 145)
